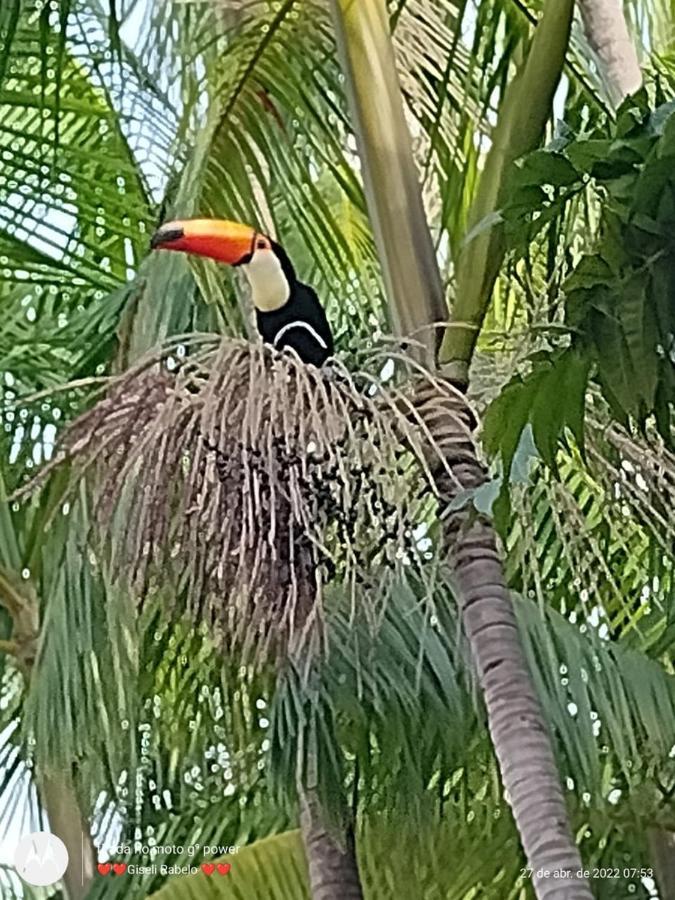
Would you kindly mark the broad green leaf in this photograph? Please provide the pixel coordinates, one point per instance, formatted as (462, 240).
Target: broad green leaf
(546, 167)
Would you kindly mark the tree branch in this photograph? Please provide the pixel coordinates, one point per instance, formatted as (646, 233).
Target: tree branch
(20, 601)
(9, 647)
(10, 597)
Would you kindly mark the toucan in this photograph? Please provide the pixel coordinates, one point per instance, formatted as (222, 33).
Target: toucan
(288, 313)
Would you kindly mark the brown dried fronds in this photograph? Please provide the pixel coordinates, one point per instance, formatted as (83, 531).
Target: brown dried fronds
(245, 480)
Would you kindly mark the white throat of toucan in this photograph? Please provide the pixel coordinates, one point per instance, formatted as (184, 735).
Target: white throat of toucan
(270, 289)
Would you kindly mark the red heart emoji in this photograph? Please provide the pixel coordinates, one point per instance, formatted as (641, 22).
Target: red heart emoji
(119, 868)
(224, 868)
(104, 868)
(208, 868)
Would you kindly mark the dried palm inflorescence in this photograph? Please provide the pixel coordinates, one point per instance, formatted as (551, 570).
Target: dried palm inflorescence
(245, 480)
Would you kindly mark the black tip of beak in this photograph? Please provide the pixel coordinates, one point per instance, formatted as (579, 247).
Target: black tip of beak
(165, 235)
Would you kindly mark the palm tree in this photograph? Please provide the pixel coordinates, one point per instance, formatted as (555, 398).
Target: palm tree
(253, 123)
(517, 723)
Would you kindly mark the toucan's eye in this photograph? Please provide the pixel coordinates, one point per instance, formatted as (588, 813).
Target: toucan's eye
(261, 244)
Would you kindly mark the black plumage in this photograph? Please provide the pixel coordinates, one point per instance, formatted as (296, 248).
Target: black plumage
(300, 323)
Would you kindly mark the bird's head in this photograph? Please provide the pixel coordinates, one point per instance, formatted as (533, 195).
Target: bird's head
(264, 262)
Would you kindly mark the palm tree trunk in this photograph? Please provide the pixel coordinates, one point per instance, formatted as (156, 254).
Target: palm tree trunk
(607, 33)
(662, 851)
(59, 799)
(331, 859)
(56, 789)
(517, 724)
(333, 869)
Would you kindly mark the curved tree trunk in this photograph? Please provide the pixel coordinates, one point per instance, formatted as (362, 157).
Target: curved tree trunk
(516, 720)
(607, 33)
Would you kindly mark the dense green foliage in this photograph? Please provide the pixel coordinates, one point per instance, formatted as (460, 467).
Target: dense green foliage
(238, 110)
(618, 315)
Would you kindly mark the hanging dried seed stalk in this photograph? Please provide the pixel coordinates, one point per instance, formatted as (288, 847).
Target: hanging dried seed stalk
(240, 481)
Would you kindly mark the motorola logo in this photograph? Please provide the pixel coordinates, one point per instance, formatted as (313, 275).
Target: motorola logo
(41, 859)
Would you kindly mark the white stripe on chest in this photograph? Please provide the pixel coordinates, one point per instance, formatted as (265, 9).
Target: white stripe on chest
(300, 324)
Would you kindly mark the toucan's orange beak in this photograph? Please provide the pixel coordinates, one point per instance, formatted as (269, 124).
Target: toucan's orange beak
(227, 242)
